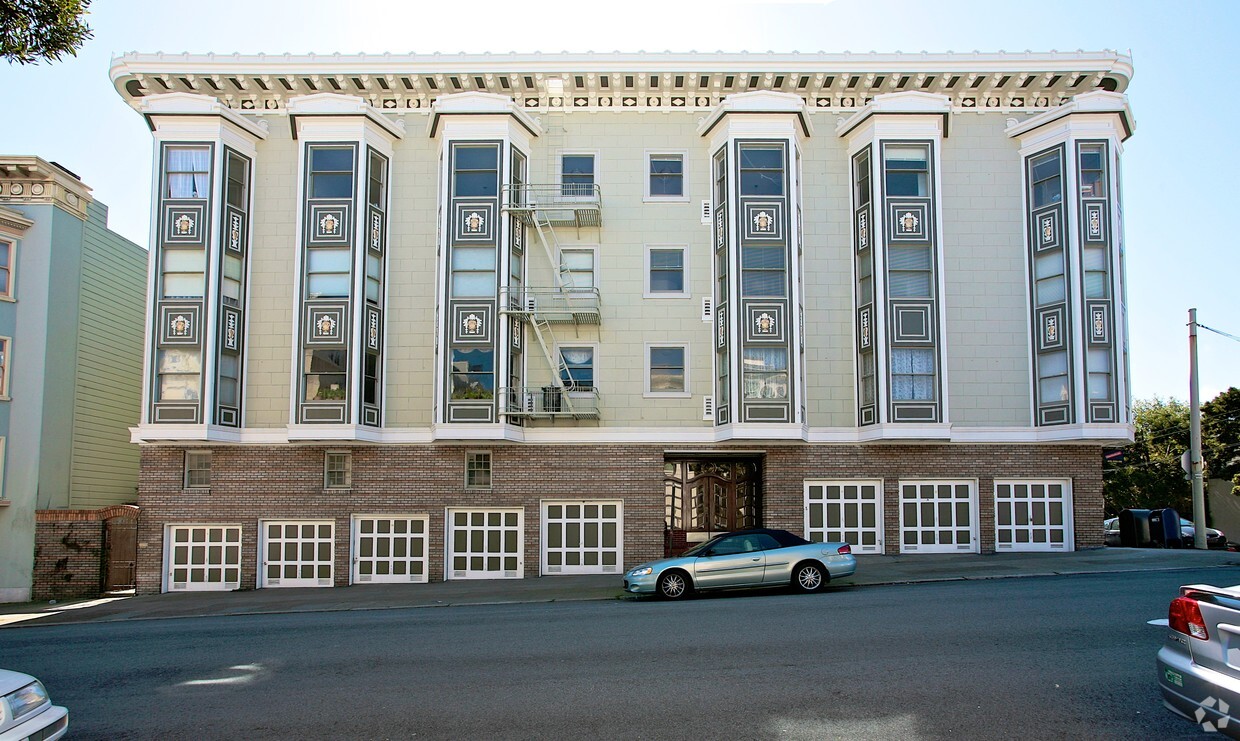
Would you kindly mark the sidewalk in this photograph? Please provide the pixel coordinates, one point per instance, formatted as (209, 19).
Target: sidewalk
(871, 571)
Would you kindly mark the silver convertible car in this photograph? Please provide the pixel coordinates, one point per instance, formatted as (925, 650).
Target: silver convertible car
(746, 558)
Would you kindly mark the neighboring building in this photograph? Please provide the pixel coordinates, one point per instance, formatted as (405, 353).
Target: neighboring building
(72, 295)
(497, 316)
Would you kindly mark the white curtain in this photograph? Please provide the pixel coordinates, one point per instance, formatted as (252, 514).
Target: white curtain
(188, 170)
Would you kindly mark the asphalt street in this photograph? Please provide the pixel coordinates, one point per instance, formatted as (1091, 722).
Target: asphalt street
(1038, 657)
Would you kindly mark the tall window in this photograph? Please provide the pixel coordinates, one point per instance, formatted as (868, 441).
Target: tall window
(187, 172)
(666, 176)
(1046, 174)
(667, 271)
(906, 168)
(764, 373)
(577, 175)
(4, 366)
(197, 469)
(667, 371)
(477, 470)
(7, 250)
(577, 370)
(763, 271)
(337, 469)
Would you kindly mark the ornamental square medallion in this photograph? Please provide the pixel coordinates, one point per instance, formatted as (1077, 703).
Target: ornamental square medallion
(912, 323)
(235, 221)
(185, 224)
(330, 223)
(909, 222)
(179, 324)
(374, 329)
(471, 323)
(1099, 324)
(721, 228)
(763, 221)
(764, 322)
(325, 324)
(863, 229)
(231, 338)
(374, 230)
(474, 222)
(1095, 226)
(1051, 329)
(864, 328)
(721, 326)
(1047, 229)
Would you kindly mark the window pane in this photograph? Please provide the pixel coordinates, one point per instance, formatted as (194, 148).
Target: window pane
(901, 183)
(667, 357)
(473, 258)
(762, 283)
(671, 281)
(183, 285)
(470, 184)
(1048, 265)
(327, 261)
(328, 285)
(1053, 364)
(905, 157)
(666, 165)
(331, 185)
(905, 257)
(667, 258)
(184, 261)
(1095, 285)
(179, 388)
(1051, 290)
(767, 158)
(766, 258)
(466, 285)
(331, 158)
(910, 284)
(477, 158)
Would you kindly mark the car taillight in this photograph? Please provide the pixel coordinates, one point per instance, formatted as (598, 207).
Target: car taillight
(1184, 616)
(845, 550)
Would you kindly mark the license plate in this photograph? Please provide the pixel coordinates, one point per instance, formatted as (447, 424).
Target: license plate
(1174, 677)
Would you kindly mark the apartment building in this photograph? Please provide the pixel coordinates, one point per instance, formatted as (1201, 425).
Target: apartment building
(417, 318)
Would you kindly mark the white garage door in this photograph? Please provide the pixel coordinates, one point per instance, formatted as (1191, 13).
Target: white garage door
(203, 558)
(845, 512)
(485, 544)
(297, 554)
(389, 549)
(1033, 516)
(938, 517)
(582, 537)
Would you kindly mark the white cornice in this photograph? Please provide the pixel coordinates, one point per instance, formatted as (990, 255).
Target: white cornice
(334, 105)
(13, 222)
(177, 105)
(1098, 102)
(909, 103)
(479, 104)
(758, 102)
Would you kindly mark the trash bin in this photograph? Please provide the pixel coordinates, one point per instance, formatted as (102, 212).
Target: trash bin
(551, 398)
(1165, 528)
(1134, 528)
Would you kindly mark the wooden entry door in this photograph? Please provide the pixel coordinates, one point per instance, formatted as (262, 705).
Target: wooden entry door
(705, 497)
(120, 554)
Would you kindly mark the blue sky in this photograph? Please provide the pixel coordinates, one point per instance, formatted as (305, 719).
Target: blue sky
(1181, 251)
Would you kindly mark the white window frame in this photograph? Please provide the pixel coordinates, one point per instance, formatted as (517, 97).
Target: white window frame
(185, 472)
(593, 250)
(651, 154)
(1069, 520)
(348, 470)
(649, 393)
(559, 173)
(10, 294)
(3, 445)
(685, 291)
(490, 470)
(593, 347)
(6, 364)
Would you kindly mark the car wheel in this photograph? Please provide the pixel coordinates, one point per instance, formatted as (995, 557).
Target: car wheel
(673, 585)
(809, 577)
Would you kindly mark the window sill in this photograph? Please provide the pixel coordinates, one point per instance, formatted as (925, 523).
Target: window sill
(479, 489)
(195, 490)
(662, 295)
(5, 397)
(337, 490)
(666, 199)
(667, 395)
(5, 502)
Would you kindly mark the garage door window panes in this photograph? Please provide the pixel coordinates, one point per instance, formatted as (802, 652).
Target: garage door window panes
(582, 537)
(298, 554)
(204, 558)
(389, 550)
(1032, 516)
(937, 517)
(845, 512)
(485, 544)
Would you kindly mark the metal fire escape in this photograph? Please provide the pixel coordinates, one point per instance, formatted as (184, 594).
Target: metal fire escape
(543, 208)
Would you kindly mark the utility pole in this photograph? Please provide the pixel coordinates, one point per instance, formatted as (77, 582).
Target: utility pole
(1194, 433)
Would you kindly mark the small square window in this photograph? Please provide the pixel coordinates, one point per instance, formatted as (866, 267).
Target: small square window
(667, 372)
(666, 272)
(337, 469)
(665, 176)
(577, 268)
(197, 469)
(478, 470)
(577, 175)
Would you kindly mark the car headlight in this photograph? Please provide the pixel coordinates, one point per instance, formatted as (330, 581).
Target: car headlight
(26, 699)
(643, 571)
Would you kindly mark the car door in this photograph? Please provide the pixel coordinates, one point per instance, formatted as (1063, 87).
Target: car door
(734, 561)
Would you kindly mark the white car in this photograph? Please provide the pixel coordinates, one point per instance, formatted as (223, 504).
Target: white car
(26, 711)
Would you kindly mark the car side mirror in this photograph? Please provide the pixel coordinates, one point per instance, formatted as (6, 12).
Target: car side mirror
(709, 552)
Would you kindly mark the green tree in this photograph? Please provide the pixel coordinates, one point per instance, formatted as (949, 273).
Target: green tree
(36, 30)
(1150, 475)
(1220, 437)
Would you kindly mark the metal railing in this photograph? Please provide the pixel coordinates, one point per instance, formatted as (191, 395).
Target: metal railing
(575, 402)
(576, 204)
(578, 305)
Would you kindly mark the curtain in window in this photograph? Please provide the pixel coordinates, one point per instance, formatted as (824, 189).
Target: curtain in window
(912, 375)
(187, 172)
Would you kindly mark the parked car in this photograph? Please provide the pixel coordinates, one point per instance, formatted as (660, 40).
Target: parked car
(1197, 678)
(26, 711)
(1188, 531)
(745, 558)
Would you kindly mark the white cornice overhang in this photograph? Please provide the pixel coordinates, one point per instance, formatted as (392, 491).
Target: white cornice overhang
(403, 83)
(911, 103)
(13, 222)
(1098, 104)
(170, 106)
(758, 103)
(336, 106)
(479, 104)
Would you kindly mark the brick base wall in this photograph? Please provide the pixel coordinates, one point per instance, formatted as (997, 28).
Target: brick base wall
(68, 551)
(253, 483)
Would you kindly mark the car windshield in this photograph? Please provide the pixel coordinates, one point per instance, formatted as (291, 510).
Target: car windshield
(701, 548)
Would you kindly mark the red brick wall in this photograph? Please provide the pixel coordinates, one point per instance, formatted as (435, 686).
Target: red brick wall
(249, 483)
(67, 560)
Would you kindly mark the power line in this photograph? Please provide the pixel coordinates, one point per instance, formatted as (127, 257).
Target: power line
(1219, 331)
